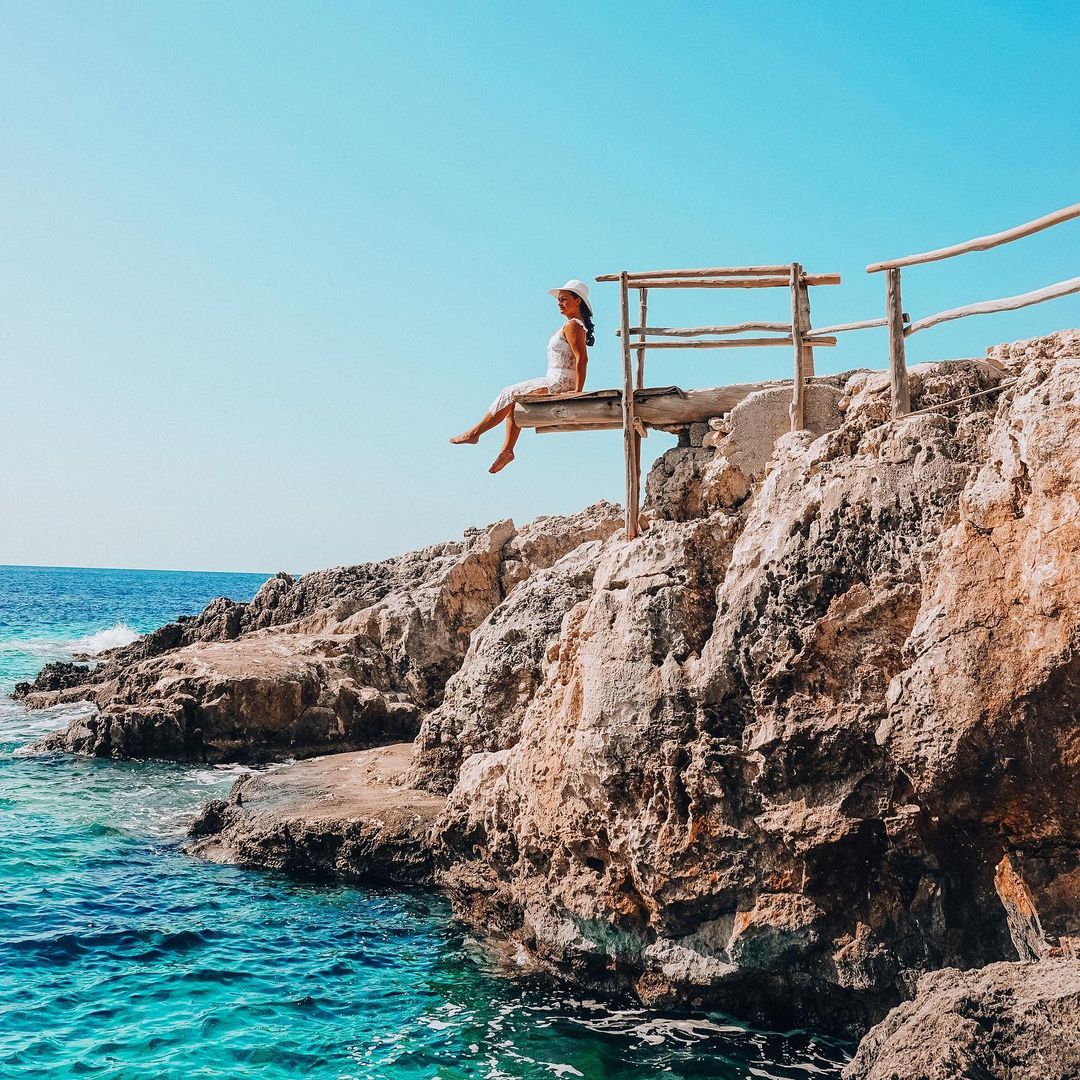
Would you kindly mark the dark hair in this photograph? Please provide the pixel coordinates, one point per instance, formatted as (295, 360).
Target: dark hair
(586, 318)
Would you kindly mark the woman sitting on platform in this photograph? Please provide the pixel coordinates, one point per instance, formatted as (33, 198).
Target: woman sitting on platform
(567, 360)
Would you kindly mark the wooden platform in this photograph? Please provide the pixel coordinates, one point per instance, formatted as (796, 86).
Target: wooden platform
(662, 407)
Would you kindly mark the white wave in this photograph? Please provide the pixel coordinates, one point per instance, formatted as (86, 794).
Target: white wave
(113, 638)
(60, 649)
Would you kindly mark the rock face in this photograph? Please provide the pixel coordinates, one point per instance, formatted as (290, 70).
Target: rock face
(1004, 1022)
(343, 658)
(344, 816)
(810, 736)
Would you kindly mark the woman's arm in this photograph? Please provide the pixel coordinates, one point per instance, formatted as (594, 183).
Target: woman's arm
(575, 336)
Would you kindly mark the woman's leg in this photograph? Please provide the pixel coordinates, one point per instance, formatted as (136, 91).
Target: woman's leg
(486, 423)
(506, 454)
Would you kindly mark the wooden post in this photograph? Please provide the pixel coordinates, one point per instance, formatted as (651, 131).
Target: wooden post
(798, 403)
(631, 439)
(642, 322)
(808, 349)
(894, 313)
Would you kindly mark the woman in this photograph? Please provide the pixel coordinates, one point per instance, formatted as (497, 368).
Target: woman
(567, 359)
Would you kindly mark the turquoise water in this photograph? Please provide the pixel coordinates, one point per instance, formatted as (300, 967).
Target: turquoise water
(120, 957)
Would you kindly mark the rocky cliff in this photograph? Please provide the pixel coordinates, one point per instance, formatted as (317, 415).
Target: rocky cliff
(809, 737)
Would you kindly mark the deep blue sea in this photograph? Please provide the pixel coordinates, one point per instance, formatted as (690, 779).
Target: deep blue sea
(121, 957)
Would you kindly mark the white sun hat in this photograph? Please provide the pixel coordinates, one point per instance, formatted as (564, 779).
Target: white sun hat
(578, 288)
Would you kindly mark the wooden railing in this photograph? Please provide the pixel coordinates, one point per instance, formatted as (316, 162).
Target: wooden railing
(901, 328)
(796, 335)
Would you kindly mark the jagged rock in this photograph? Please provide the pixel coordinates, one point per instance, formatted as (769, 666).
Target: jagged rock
(983, 715)
(59, 675)
(342, 816)
(487, 698)
(341, 659)
(698, 806)
(782, 754)
(1003, 1022)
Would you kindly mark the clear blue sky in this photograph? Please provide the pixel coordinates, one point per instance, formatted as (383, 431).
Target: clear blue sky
(259, 260)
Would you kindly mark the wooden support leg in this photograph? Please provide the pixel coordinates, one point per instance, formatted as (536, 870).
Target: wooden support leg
(808, 350)
(894, 314)
(631, 440)
(798, 402)
(643, 321)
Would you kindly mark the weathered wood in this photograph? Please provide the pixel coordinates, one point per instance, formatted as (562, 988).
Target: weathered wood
(677, 408)
(842, 328)
(989, 307)
(729, 343)
(700, 331)
(631, 439)
(798, 398)
(894, 313)
(717, 271)
(804, 329)
(981, 243)
(643, 310)
(554, 429)
(734, 283)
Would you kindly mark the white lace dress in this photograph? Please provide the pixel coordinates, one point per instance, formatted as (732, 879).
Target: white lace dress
(561, 377)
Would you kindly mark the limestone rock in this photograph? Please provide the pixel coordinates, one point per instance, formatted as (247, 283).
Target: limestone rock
(1004, 1022)
(344, 816)
(341, 659)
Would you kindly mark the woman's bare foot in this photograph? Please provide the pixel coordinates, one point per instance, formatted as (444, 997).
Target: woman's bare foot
(500, 463)
(468, 437)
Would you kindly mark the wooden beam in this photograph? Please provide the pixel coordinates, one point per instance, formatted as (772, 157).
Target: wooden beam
(989, 307)
(631, 439)
(804, 330)
(980, 243)
(842, 328)
(643, 310)
(674, 409)
(894, 312)
(798, 398)
(728, 343)
(699, 331)
(718, 271)
(557, 429)
(734, 283)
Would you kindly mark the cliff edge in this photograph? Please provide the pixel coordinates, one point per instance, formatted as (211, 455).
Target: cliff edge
(810, 737)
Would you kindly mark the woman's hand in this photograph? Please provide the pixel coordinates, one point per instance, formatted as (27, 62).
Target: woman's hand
(574, 333)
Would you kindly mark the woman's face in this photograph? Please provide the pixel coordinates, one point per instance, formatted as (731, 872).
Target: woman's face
(569, 303)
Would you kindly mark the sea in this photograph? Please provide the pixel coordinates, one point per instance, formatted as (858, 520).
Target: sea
(123, 957)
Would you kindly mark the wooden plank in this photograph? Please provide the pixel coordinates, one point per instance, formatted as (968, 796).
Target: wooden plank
(675, 409)
(631, 441)
(989, 307)
(557, 429)
(735, 283)
(981, 243)
(716, 271)
(894, 312)
(730, 343)
(700, 331)
(643, 309)
(798, 398)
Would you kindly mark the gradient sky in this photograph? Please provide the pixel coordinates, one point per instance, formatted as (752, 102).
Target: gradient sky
(259, 260)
